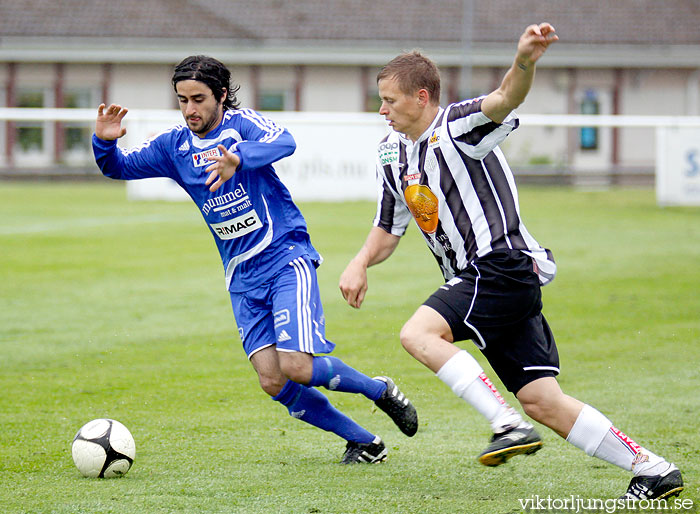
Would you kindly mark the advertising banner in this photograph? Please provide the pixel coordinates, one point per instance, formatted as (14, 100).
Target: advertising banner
(678, 166)
(334, 159)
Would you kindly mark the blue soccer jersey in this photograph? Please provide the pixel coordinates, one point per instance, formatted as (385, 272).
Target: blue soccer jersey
(257, 227)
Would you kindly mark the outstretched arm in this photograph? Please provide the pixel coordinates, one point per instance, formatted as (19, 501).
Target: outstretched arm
(378, 247)
(143, 162)
(518, 80)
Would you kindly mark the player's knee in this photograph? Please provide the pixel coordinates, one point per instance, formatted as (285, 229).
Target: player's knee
(534, 409)
(406, 338)
(412, 338)
(541, 409)
(272, 384)
(297, 370)
(543, 400)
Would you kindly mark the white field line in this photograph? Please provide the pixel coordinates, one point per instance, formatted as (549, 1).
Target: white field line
(91, 222)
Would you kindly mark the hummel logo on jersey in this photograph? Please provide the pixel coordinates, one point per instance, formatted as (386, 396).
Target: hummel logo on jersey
(202, 158)
(284, 336)
(184, 146)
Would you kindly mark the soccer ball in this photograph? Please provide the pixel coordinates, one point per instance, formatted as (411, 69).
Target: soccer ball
(103, 448)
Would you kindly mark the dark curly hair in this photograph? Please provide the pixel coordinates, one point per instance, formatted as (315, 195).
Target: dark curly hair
(211, 72)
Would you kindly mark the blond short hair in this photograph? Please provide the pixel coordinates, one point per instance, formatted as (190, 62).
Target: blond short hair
(413, 71)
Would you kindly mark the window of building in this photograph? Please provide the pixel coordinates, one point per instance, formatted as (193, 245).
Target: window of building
(77, 135)
(272, 101)
(77, 99)
(36, 143)
(30, 134)
(373, 102)
(588, 138)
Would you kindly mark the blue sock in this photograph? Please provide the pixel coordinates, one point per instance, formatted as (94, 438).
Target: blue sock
(308, 404)
(334, 374)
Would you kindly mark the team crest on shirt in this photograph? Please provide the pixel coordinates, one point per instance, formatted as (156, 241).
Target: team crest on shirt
(434, 140)
(202, 158)
(423, 204)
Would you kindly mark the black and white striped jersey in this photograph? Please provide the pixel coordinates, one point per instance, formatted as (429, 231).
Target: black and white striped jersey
(454, 181)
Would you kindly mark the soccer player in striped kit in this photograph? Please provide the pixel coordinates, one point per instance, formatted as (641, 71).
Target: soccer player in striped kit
(444, 169)
(223, 159)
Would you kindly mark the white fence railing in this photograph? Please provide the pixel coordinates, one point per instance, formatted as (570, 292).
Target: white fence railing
(334, 158)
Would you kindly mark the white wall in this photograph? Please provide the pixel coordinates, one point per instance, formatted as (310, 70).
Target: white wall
(141, 86)
(536, 144)
(332, 90)
(83, 76)
(242, 76)
(647, 92)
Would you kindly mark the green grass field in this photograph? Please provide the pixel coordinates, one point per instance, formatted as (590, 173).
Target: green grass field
(110, 308)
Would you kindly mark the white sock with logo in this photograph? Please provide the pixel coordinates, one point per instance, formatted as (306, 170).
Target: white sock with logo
(463, 374)
(595, 434)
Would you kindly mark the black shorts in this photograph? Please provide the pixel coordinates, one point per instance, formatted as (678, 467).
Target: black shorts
(497, 303)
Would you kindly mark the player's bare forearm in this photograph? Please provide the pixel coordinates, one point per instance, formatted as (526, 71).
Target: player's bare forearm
(353, 282)
(518, 79)
(378, 246)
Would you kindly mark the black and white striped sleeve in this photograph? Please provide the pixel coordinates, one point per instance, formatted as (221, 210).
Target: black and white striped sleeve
(473, 132)
(392, 215)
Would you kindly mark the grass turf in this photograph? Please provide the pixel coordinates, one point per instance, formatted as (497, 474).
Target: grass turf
(110, 308)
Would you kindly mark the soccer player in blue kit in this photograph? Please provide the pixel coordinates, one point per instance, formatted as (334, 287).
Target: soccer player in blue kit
(223, 159)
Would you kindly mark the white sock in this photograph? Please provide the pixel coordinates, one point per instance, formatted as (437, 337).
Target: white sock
(463, 374)
(595, 434)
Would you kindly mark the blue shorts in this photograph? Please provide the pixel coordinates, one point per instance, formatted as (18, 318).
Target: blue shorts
(285, 311)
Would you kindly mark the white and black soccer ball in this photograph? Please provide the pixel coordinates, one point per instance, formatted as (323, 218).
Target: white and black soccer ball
(103, 448)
